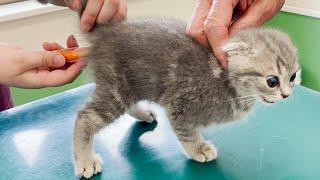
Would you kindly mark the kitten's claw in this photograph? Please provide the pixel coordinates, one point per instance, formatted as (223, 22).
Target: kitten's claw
(202, 152)
(89, 168)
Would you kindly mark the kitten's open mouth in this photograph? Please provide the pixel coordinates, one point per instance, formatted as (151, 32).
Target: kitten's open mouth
(265, 100)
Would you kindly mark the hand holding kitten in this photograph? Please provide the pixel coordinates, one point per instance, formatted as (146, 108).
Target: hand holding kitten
(37, 69)
(214, 20)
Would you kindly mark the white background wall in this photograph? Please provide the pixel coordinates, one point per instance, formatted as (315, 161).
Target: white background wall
(31, 32)
(307, 4)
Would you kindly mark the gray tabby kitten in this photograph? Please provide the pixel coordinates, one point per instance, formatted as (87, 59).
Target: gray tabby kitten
(155, 60)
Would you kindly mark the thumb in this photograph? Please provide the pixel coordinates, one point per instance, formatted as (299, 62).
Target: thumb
(46, 59)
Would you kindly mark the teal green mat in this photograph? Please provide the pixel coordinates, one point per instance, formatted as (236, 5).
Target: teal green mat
(277, 142)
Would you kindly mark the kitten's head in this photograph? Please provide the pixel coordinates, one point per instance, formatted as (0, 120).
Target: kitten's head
(263, 62)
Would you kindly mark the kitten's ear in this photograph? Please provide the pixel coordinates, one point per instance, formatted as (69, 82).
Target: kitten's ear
(237, 48)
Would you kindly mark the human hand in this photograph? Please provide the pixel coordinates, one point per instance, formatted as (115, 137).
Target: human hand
(99, 11)
(213, 21)
(27, 69)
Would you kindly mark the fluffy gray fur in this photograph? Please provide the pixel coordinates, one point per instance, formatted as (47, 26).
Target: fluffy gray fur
(155, 60)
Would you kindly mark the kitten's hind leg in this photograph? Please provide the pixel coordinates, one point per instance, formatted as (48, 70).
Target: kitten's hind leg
(193, 144)
(97, 114)
(141, 111)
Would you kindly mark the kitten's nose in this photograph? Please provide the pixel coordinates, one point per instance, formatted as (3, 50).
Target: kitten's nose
(284, 95)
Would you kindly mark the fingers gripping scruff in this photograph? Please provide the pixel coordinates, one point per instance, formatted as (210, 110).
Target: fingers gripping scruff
(209, 24)
(90, 14)
(216, 26)
(195, 29)
(213, 21)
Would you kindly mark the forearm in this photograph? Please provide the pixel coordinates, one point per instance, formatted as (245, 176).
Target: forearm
(55, 2)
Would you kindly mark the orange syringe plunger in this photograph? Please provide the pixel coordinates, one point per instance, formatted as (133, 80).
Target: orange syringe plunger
(71, 54)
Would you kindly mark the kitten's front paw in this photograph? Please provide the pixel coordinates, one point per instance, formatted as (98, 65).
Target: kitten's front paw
(202, 152)
(88, 168)
(146, 116)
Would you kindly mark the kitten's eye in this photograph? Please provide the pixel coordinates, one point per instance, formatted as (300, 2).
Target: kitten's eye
(272, 81)
(293, 77)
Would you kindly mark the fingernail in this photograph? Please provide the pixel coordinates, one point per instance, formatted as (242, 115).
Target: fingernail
(59, 60)
(72, 36)
(74, 39)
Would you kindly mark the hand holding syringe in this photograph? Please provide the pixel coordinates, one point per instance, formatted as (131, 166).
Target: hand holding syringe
(23, 68)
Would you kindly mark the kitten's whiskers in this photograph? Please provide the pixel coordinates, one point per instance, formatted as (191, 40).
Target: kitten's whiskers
(245, 97)
(231, 77)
